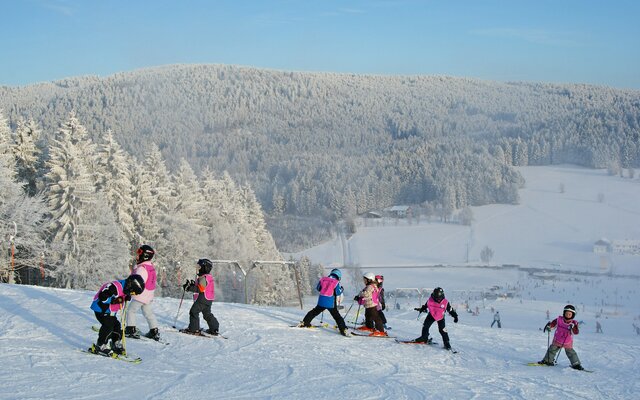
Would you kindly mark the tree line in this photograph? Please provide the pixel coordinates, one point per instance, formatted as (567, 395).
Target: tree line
(321, 146)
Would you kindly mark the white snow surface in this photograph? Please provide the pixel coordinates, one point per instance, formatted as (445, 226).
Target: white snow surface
(43, 329)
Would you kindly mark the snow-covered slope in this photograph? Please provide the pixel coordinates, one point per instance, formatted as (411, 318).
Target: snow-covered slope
(563, 211)
(41, 330)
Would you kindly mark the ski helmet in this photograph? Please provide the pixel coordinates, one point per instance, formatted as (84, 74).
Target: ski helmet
(145, 253)
(570, 308)
(337, 273)
(134, 284)
(205, 266)
(369, 276)
(438, 294)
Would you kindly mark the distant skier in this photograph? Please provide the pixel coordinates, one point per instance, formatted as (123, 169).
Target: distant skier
(496, 319)
(330, 290)
(598, 327)
(110, 299)
(204, 294)
(147, 271)
(368, 297)
(566, 327)
(436, 305)
(381, 303)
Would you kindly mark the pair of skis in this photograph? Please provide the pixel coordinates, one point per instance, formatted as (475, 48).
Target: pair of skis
(113, 356)
(142, 337)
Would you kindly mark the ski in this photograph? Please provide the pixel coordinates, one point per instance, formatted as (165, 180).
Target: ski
(201, 334)
(323, 325)
(142, 337)
(357, 333)
(113, 356)
(430, 342)
(537, 364)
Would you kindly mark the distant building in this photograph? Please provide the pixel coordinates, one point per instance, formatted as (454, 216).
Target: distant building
(372, 214)
(626, 246)
(602, 246)
(399, 211)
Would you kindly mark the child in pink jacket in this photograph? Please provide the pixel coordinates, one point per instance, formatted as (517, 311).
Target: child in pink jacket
(566, 326)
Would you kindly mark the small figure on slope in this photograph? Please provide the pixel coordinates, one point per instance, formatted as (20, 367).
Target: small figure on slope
(330, 289)
(381, 303)
(204, 294)
(147, 271)
(368, 297)
(106, 303)
(565, 327)
(496, 319)
(436, 305)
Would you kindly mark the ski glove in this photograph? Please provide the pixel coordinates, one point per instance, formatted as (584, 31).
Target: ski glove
(356, 298)
(455, 319)
(127, 297)
(118, 300)
(421, 309)
(546, 328)
(188, 284)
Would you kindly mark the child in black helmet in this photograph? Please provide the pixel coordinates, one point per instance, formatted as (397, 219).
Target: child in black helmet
(145, 268)
(565, 327)
(204, 293)
(106, 303)
(436, 305)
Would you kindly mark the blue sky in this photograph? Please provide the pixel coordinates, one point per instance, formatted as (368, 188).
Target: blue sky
(562, 41)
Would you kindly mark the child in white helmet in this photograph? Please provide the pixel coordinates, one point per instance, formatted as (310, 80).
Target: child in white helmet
(368, 297)
(566, 326)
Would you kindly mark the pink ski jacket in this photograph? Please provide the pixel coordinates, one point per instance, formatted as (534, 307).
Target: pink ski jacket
(148, 273)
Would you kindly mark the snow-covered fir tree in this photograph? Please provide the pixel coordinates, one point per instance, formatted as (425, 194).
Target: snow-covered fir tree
(90, 246)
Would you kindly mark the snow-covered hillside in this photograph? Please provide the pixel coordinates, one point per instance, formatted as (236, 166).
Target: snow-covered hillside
(563, 211)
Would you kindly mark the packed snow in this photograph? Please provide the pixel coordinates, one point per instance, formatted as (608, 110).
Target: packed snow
(43, 329)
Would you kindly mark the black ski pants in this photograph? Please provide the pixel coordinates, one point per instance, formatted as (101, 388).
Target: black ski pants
(372, 319)
(441, 328)
(110, 328)
(203, 307)
(317, 310)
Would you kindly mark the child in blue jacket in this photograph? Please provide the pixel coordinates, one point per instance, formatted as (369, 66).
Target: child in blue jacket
(329, 288)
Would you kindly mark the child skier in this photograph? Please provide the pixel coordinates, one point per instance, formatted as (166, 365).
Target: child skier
(496, 319)
(436, 305)
(204, 294)
(368, 297)
(106, 303)
(147, 271)
(330, 289)
(381, 304)
(566, 327)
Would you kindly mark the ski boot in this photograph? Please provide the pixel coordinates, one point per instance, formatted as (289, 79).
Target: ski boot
(211, 332)
(116, 347)
(378, 333)
(447, 346)
(153, 334)
(102, 350)
(422, 340)
(344, 332)
(132, 332)
(578, 367)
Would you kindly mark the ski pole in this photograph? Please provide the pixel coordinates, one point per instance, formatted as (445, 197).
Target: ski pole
(322, 317)
(122, 325)
(357, 315)
(179, 306)
(345, 316)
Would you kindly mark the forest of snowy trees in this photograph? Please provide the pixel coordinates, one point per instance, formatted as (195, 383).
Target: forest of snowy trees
(73, 211)
(319, 147)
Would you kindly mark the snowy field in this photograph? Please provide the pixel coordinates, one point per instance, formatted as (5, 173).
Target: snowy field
(42, 329)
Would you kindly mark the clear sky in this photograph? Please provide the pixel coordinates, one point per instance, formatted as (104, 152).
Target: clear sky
(563, 41)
